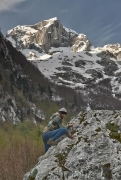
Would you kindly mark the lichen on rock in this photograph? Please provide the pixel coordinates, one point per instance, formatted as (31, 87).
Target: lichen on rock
(93, 154)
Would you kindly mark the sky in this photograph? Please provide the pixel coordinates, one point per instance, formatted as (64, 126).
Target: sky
(100, 20)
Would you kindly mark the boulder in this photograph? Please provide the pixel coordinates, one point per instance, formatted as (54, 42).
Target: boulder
(95, 152)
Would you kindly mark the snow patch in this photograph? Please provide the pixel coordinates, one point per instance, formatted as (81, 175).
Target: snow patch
(70, 30)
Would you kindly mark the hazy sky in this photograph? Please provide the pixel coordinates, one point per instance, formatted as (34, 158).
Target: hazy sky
(100, 20)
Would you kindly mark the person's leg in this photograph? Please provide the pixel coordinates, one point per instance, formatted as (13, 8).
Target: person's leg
(50, 137)
(45, 139)
(55, 134)
(47, 146)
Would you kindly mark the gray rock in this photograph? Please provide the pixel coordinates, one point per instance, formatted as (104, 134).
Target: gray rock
(110, 66)
(93, 154)
(80, 63)
(106, 54)
(95, 73)
(72, 76)
(118, 75)
(35, 47)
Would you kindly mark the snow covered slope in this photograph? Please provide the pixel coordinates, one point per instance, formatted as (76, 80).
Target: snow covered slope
(80, 69)
(66, 57)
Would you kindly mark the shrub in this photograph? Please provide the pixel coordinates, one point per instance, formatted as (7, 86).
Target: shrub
(20, 147)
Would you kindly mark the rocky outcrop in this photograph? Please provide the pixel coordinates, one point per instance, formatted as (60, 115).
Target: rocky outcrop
(80, 63)
(46, 34)
(81, 43)
(115, 49)
(112, 50)
(95, 153)
(15, 95)
(7, 102)
(95, 73)
(5, 54)
(106, 54)
(118, 75)
(9, 111)
(109, 66)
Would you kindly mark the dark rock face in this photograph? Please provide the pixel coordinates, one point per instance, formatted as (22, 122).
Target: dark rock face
(15, 85)
(118, 75)
(109, 66)
(110, 69)
(35, 47)
(96, 74)
(80, 63)
(7, 102)
(112, 50)
(4, 54)
(106, 54)
(73, 76)
(93, 154)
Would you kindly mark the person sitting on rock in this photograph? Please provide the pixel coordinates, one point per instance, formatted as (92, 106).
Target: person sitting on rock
(55, 129)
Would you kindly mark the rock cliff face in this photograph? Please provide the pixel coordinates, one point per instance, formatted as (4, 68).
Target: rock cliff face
(45, 34)
(95, 153)
(15, 85)
(114, 49)
(50, 36)
(81, 43)
(7, 103)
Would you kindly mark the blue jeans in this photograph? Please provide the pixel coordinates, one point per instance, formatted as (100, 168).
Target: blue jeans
(52, 135)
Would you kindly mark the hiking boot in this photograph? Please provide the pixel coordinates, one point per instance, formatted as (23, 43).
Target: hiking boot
(52, 143)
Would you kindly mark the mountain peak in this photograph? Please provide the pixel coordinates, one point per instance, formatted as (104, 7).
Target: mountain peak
(52, 19)
(41, 36)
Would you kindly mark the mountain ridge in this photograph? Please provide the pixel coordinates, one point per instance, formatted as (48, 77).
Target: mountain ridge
(77, 64)
(51, 33)
(44, 35)
(87, 79)
(77, 80)
(25, 93)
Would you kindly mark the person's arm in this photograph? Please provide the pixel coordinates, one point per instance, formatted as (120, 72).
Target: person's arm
(69, 125)
(59, 122)
(72, 134)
